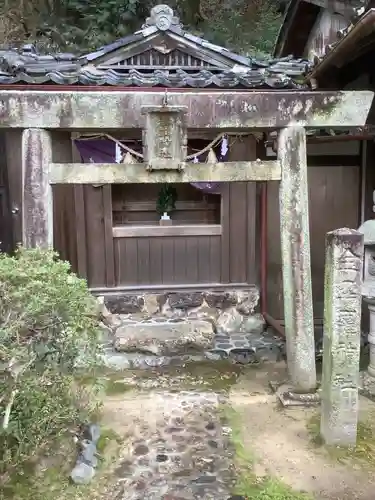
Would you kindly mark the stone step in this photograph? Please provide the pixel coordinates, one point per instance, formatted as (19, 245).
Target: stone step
(235, 348)
(165, 338)
(141, 340)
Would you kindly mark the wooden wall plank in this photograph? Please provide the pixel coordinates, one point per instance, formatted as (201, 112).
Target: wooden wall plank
(225, 235)
(108, 238)
(369, 179)
(238, 230)
(192, 260)
(215, 260)
(65, 241)
(330, 208)
(239, 211)
(156, 269)
(130, 264)
(95, 233)
(167, 260)
(143, 260)
(180, 268)
(70, 221)
(204, 259)
(252, 211)
(119, 257)
(80, 233)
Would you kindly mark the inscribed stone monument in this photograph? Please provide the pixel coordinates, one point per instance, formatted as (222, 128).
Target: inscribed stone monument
(341, 344)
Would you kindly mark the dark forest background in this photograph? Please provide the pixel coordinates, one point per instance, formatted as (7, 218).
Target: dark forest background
(247, 27)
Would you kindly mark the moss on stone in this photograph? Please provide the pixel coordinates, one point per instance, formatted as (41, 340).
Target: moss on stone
(113, 387)
(363, 452)
(107, 437)
(215, 376)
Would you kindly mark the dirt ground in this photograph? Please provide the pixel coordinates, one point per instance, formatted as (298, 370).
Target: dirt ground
(281, 443)
(167, 439)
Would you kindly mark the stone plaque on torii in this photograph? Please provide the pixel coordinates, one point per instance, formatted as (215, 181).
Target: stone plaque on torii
(164, 137)
(165, 161)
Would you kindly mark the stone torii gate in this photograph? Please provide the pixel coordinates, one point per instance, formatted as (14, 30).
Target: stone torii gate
(165, 119)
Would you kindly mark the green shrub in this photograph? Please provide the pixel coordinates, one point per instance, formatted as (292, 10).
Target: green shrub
(48, 319)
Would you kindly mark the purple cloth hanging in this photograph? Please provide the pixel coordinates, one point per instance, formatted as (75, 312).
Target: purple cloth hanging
(96, 150)
(104, 151)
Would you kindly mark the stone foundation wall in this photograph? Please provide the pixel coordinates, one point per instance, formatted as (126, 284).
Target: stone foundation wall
(229, 311)
(157, 329)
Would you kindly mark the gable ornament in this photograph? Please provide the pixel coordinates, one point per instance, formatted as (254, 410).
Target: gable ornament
(162, 17)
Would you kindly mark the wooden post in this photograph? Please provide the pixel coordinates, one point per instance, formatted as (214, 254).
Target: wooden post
(342, 332)
(37, 210)
(295, 249)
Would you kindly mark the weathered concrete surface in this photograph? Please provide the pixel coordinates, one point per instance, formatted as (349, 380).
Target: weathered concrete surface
(342, 331)
(205, 109)
(37, 207)
(119, 173)
(165, 338)
(295, 248)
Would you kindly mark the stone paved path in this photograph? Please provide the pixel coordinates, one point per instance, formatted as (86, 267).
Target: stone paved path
(178, 448)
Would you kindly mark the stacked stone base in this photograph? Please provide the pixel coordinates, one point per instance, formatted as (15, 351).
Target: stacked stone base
(173, 328)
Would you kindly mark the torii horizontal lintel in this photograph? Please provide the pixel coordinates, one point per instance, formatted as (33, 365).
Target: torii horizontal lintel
(98, 110)
(120, 173)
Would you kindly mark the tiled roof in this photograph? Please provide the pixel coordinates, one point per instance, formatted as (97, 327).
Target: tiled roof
(21, 68)
(120, 63)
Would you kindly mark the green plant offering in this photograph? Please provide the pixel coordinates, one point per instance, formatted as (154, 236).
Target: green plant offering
(167, 198)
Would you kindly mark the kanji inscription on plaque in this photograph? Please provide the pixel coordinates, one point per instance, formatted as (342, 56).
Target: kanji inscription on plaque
(164, 137)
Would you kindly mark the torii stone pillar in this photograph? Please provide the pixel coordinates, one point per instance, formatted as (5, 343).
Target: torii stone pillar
(295, 248)
(37, 205)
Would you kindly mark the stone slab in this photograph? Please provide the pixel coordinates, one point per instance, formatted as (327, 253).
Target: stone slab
(285, 394)
(164, 338)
